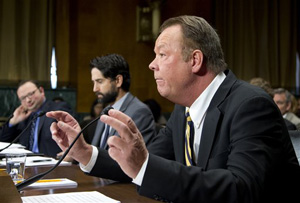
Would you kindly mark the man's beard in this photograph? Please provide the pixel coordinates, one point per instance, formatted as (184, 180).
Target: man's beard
(109, 97)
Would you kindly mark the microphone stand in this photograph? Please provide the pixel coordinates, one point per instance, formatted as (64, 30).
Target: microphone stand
(37, 177)
(41, 113)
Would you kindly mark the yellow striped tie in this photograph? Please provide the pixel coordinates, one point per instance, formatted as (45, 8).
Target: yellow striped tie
(189, 137)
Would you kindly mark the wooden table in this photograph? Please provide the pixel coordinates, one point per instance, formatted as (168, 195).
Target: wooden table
(124, 192)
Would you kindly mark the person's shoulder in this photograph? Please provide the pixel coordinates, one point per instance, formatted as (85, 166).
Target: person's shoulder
(293, 118)
(136, 102)
(238, 89)
(291, 115)
(239, 94)
(289, 125)
(136, 107)
(243, 89)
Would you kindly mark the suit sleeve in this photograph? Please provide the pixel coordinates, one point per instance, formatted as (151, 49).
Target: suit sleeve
(106, 167)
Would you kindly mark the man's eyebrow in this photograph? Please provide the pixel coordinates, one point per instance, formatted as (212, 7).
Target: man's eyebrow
(97, 79)
(161, 46)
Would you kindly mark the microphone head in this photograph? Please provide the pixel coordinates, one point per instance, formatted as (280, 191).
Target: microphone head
(105, 110)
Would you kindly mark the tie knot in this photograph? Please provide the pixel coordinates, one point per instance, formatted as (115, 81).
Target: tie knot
(187, 114)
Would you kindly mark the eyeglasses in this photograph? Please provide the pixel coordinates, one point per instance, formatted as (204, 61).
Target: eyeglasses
(29, 95)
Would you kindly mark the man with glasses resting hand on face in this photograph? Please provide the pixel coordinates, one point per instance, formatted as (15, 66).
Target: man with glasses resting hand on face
(37, 136)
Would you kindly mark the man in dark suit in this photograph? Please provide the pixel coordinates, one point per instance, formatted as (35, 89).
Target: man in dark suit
(225, 141)
(36, 138)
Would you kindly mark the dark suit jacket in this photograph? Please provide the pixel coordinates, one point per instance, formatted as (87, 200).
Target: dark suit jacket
(245, 153)
(46, 144)
(140, 114)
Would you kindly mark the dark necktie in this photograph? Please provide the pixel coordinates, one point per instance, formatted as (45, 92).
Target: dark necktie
(32, 129)
(189, 140)
(103, 141)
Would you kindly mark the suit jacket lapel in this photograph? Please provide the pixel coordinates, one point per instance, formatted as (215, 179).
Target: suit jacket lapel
(98, 133)
(213, 117)
(208, 135)
(123, 108)
(126, 102)
(44, 108)
(181, 131)
(177, 123)
(42, 119)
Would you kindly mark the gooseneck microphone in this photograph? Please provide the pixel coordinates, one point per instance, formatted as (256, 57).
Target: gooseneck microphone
(37, 177)
(39, 114)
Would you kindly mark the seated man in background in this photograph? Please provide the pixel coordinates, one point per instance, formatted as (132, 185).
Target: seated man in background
(265, 85)
(111, 78)
(225, 141)
(37, 137)
(283, 99)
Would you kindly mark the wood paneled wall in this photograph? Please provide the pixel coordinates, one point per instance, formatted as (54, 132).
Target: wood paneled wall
(89, 28)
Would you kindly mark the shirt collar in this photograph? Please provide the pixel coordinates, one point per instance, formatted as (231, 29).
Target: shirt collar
(117, 105)
(39, 109)
(199, 107)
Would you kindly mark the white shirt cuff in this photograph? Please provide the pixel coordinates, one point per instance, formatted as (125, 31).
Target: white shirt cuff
(140, 176)
(92, 161)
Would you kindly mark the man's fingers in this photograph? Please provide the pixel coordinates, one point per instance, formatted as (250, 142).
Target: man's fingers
(55, 135)
(58, 115)
(119, 122)
(66, 128)
(124, 118)
(63, 116)
(116, 148)
(54, 131)
(117, 142)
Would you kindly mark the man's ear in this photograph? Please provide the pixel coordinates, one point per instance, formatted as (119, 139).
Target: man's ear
(41, 89)
(119, 80)
(197, 61)
(289, 106)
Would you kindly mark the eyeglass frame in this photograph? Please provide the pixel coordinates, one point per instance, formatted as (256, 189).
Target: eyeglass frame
(29, 95)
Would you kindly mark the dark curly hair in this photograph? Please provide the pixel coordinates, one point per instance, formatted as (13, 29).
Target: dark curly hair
(112, 65)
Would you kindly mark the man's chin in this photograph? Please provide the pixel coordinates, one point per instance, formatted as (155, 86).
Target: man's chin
(100, 100)
(32, 108)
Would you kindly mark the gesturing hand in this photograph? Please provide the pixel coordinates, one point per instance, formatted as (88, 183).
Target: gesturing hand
(65, 131)
(129, 150)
